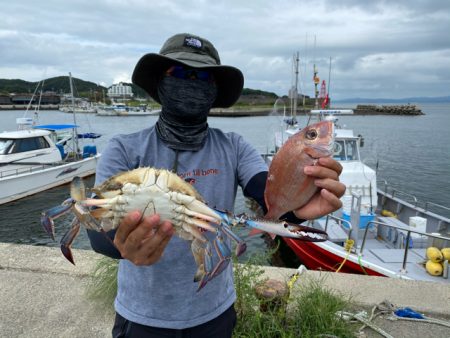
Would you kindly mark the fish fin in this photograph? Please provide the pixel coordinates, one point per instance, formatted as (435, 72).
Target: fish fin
(272, 235)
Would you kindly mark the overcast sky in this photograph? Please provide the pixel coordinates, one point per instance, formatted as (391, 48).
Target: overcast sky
(389, 49)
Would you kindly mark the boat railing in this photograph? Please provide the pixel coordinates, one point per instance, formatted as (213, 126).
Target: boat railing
(435, 205)
(419, 207)
(339, 221)
(407, 241)
(389, 190)
(19, 171)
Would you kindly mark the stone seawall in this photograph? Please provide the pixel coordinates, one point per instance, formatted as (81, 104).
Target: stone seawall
(32, 107)
(43, 295)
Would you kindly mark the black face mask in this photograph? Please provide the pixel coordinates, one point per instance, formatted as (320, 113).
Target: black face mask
(185, 106)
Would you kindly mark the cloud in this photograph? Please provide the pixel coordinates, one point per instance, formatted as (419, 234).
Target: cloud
(377, 48)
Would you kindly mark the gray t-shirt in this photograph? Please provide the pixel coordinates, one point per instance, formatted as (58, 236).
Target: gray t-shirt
(164, 294)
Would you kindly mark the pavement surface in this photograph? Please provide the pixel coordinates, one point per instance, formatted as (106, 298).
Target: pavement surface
(42, 295)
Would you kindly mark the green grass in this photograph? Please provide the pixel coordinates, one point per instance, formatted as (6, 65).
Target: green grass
(311, 312)
(102, 287)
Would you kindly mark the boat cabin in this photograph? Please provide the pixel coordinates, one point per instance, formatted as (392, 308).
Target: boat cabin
(346, 146)
(21, 146)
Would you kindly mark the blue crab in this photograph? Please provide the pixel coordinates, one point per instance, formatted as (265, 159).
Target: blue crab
(160, 191)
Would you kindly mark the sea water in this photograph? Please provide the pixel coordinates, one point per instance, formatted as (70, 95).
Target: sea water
(412, 153)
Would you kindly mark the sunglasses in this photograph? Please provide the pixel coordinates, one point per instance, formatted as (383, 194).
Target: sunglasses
(180, 72)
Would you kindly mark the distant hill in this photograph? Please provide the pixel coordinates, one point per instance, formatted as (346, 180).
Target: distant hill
(83, 88)
(438, 99)
(58, 84)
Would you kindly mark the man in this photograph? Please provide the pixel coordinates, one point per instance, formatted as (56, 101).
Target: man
(156, 293)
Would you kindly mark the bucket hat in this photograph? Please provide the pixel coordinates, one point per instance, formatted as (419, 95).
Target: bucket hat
(194, 52)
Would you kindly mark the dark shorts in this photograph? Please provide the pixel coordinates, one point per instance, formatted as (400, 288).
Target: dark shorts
(220, 327)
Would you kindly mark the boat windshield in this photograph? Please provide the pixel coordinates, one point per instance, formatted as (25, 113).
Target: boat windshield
(5, 145)
(13, 146)
(346, 150)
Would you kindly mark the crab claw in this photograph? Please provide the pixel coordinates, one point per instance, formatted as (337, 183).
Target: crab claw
(48, 216)
(286, 229)
(68, 238)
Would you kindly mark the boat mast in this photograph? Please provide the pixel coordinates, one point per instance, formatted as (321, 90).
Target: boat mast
(315, 78)
(74, 129)
(295, 94)
(329, 80)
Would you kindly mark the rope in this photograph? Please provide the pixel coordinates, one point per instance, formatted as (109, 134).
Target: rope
(348, 247)
(295, 276)
(361, 265)
(362, 317)
(387, 308)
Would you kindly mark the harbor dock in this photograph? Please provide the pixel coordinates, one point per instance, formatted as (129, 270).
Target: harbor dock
(43, 295)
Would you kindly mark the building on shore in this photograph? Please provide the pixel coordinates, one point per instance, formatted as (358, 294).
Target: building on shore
(120, 92)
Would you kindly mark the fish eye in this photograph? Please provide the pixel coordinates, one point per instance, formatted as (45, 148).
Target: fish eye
(311, 134)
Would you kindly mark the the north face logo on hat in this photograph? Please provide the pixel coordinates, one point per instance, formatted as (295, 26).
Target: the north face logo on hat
(192, 42)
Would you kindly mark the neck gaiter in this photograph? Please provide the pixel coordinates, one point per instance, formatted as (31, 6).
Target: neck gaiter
(182, 123)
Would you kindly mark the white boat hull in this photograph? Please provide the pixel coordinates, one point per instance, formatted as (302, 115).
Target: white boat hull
(14, 187)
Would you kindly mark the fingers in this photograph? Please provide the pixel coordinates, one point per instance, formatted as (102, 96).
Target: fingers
(321, 204)
(155, 245)
(326, 168)
(330, 163)
(334, 187)
(143, 240)
(334, 203)
(129, 223)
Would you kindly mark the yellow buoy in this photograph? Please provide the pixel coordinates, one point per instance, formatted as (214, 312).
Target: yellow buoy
(434, 268)
(446, 253)
(434, 254)
(387, 213)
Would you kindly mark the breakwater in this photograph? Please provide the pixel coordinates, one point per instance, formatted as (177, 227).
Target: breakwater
(361, 109)
(404, 109)
(240, 112)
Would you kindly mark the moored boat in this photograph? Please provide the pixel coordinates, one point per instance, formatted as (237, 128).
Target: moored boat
(121, 109)
(380, 230)
(35, 158)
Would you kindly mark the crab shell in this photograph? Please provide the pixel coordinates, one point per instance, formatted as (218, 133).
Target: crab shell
(153, 191)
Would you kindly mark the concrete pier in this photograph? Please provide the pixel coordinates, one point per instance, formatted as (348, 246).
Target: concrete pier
(43, 295)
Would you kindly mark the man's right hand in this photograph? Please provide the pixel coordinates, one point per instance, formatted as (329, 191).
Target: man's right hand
(142, 240)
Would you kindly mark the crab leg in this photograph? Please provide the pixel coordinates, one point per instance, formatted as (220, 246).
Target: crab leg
(48, 216)
(224, 253)
(241, 246)
(68, 238)
(201, 219)
(208, 266)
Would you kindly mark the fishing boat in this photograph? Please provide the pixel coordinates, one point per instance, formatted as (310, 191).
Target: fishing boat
(121, 109)
(35, 158)
(380, 230)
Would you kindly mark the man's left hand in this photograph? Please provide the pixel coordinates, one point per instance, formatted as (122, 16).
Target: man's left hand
(327, 199)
